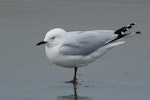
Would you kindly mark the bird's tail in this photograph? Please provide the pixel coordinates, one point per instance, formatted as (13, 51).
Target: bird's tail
(122, 32)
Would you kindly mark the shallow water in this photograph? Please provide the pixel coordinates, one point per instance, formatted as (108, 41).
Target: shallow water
(26, 74)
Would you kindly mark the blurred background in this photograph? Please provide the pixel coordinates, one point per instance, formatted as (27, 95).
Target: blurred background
(26, 74)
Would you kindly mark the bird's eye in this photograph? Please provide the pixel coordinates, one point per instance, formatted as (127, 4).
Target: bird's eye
(53, 38)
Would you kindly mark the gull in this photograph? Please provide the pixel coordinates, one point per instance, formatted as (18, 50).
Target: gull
(79, 48)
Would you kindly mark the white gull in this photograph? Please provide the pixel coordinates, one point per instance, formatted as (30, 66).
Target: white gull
(79, 48)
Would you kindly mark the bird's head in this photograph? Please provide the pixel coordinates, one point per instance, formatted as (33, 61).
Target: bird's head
(53, 37)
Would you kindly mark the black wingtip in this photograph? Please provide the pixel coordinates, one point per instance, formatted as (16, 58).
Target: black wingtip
(132, 24)
(138, 32)
(124, 29)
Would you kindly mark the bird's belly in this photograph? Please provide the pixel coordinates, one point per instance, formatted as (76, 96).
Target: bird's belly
(69, 61)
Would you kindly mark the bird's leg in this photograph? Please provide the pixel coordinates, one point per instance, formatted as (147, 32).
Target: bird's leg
(75, 74)
(74, 81)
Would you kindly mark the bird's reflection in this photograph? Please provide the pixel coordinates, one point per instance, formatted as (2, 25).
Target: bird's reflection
(74, 96)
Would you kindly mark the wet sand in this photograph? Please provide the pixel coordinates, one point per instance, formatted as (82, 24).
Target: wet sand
(26, 74)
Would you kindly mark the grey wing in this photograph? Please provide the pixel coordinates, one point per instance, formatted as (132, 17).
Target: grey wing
(84, 43)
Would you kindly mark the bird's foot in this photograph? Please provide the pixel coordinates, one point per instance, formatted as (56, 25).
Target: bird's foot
(74, 81)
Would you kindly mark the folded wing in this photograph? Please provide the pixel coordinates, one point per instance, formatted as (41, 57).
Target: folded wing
(85, 42)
